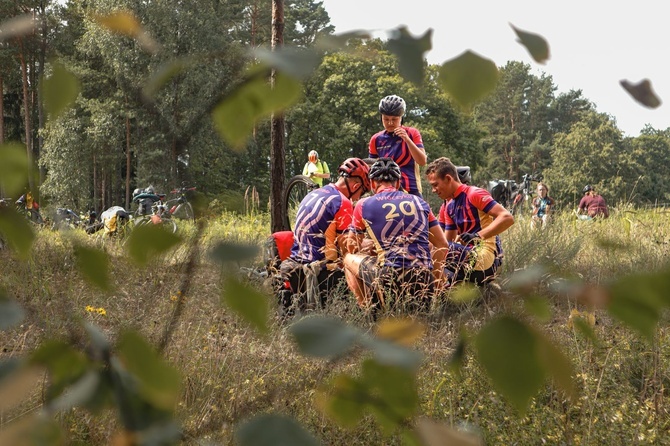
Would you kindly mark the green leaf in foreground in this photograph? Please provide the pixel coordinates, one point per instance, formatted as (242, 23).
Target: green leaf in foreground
(148, 241)
(508, 351)
(235, 117)
(166, 72)
(409, 52)
(233, 252)
(392, 354)
(638, 300)
(17, 26)
(296, 62)
(534, 43)
(94, 265)
(324, 337)
(389, 393)
(14, 168)
(468, 78)
(65, 365)
(59, 90)
(126, 24)
(642, 92)
(16, 231)
(159, 382)
(247, 302)
(433, 433)
(556, 363)
(11, 313)
(273, 430)
(32, 430)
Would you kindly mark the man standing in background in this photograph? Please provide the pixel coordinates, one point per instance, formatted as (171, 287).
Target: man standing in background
(400, 143)
(316, 169)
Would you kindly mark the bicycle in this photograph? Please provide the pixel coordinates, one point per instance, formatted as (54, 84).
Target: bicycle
(180, 207)
(524, 197)
(28, 207)
(296, 189)
(66, 219)
(160, 215)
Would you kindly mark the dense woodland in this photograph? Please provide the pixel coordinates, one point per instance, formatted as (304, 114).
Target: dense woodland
(117, 137)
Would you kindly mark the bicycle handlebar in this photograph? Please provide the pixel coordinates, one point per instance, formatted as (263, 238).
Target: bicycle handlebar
(182, 190)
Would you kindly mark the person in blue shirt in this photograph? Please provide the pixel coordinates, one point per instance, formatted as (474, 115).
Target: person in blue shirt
(542, 207)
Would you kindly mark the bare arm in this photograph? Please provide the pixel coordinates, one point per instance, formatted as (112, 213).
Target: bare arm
(502, 220)
(440, 248)
(418, 154)
(451, 234)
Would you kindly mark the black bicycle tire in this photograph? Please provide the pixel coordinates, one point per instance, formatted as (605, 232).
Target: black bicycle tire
(296, 189)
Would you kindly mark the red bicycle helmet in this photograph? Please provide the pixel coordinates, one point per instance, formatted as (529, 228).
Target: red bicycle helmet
(356, 167)
(313, 156)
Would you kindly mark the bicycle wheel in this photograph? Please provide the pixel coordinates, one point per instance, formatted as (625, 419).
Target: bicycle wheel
(184, 211)
(296, 189)
(169, 225)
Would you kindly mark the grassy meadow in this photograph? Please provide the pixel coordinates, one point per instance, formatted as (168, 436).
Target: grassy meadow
(229, 373)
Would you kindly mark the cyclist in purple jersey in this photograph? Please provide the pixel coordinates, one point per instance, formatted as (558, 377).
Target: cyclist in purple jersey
(318, 238)
(402, 228)
(401, 143)
(472, 221)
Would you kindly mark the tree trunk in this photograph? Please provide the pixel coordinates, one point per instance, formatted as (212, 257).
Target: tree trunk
(277, 150)
(2, 111)
(2, 122)
(127, 162)
(40, 110)
(95, 187)
(26, 110)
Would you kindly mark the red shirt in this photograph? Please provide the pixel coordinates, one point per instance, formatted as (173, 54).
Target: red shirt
(594, 205)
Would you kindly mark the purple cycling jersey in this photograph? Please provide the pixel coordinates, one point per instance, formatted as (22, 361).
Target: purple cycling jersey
(322, 215)
(385, 144)
(468, 212)
(398, 223)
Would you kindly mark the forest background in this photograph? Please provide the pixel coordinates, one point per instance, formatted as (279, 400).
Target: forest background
(116, 139)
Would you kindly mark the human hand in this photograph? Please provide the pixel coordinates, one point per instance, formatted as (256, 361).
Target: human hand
(468, 238)
(401, 132)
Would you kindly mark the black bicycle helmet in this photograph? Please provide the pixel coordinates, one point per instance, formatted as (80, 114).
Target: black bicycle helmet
(356, 167)
(385, 169)
(464, 175)
(392, 106)
(587, 188)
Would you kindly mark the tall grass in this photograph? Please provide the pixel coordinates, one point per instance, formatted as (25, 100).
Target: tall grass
(230, 373)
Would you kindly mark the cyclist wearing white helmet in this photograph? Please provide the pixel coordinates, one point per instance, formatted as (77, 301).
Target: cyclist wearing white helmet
(316, 169)
(401, 143)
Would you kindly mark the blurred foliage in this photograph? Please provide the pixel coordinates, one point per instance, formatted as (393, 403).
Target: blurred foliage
(93, 97)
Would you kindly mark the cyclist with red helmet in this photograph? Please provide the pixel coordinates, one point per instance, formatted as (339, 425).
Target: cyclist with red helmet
(401, 143)
(323, 216)
(402, 228)
(316, 169)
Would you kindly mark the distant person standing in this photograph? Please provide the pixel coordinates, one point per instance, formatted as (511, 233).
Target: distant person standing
(316, 169)
(592, 205)
(542, 207)
(400, 143)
